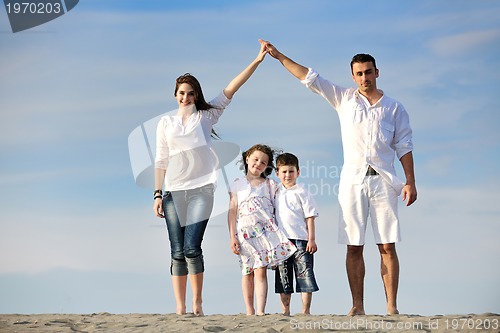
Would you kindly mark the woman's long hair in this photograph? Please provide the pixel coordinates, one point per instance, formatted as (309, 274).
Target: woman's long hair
(199, 100)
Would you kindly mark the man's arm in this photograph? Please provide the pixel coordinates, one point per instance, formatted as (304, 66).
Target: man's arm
(296, 69)
(409, 190)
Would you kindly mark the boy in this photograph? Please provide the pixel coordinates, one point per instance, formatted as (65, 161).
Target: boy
(295, 214)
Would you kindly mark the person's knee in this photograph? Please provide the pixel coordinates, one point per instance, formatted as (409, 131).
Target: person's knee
(354, 251)
(178, 255)
(193, 252)
(261, 274)
(387, 249)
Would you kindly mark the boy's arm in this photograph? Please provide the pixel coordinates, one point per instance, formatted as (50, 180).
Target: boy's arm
(231, 222)
(311, 242)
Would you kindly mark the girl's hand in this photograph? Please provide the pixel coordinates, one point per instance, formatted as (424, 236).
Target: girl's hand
(235, 246)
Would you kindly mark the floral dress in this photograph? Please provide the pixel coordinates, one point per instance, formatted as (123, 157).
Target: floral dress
(262, 243)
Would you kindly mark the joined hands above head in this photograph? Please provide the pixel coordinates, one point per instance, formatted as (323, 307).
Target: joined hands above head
(297, 70)
(270, 48)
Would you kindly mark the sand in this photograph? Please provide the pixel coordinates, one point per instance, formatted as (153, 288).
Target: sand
(148, 323)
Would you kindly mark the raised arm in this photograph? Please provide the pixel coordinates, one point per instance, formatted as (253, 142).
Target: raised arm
(410, 190)
(296, 69)
(239, 80)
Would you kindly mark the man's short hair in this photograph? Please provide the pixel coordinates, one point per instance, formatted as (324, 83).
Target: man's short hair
(361, 58)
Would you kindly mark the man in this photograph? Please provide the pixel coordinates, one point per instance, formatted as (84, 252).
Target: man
(374, 129)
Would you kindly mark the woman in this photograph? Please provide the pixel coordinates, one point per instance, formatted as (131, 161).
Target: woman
(187, 164)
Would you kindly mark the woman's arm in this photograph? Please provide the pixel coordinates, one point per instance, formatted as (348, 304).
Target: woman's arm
(239, 80)
(159, 178)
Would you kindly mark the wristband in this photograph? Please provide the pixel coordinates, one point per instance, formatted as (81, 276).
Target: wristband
(158, 197)
(157, 191)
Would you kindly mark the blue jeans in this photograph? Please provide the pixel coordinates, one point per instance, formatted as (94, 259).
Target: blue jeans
(186, 215)
(302, 263)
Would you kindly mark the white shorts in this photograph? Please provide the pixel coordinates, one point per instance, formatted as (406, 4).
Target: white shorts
(375, 198)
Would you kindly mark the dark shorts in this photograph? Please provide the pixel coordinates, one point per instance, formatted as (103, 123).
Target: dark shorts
(302, 263)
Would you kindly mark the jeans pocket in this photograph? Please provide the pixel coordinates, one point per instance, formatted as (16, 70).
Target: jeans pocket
(208, 189)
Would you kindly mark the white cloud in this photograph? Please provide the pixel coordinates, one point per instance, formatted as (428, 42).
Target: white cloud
(466, 42)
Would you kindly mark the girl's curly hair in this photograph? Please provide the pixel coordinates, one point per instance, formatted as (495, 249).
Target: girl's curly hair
(270, 152)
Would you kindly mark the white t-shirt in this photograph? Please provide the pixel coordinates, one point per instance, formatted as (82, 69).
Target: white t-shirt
(293, 206)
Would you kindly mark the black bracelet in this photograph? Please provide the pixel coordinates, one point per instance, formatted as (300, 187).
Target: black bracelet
(158, 197)
(157, 191)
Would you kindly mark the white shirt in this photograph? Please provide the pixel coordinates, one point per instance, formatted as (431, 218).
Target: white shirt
(185, 151)
(293, 206)
(371, 134)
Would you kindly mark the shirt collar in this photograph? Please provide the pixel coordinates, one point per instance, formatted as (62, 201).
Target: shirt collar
(294, 187)
(365, 100)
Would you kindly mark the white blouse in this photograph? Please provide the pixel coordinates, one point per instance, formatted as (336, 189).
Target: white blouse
(185, 151)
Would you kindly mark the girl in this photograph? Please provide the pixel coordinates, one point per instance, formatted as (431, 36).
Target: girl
(252, 227)
(187, 164)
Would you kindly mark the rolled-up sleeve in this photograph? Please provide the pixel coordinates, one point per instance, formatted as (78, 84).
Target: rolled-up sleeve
(310, 78)
(403, 141)
(321, 86)
(219, 104)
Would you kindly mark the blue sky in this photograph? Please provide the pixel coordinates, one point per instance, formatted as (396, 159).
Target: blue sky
(77, 235)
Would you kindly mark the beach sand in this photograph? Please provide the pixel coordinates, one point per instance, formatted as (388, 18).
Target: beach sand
(148, 323)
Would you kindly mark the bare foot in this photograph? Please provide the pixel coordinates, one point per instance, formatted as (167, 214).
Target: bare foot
(356, 312)
(181, 310)
(392, 311)
(260, 314)
(198, 310)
